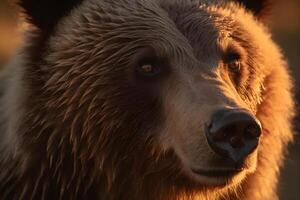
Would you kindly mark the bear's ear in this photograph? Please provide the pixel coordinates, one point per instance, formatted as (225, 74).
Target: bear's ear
(44, 14)
(259, 8)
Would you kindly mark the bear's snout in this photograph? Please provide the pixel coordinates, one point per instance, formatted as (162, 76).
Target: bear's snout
(233, 134)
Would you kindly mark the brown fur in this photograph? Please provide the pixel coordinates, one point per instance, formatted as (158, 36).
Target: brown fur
(79, 125)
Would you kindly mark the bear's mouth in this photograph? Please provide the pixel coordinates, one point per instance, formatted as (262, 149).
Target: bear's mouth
(222, 173)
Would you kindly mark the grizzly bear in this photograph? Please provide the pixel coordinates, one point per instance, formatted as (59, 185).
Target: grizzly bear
(145, 99)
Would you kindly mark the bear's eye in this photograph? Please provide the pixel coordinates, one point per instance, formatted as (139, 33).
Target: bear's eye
(148, 70)
(234, 66)
(233, 62)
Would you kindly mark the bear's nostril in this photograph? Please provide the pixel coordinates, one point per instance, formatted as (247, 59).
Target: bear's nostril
(224, 134)
(252, 131)
(220, 136)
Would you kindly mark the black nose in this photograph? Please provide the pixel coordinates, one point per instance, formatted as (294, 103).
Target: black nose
(233, 133)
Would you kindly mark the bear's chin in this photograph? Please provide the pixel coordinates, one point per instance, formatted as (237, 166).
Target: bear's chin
(213, 179)
(218, 177)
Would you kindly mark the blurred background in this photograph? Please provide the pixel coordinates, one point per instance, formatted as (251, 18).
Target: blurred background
(285, 25)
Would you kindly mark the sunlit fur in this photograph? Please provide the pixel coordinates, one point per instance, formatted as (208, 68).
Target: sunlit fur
(78, 124)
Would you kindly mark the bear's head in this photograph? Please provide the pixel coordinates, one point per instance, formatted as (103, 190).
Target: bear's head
(176, 95)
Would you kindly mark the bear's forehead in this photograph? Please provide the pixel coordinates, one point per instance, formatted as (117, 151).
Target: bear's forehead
(175, 29)
(154, 14)
(160, 20)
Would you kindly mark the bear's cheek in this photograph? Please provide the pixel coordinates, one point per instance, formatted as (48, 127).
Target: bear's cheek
(183, 131)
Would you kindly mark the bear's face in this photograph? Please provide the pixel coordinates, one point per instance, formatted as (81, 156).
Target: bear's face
(126, 74)
(163, 73)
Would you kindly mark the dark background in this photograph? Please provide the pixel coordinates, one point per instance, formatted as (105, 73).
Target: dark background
(285, 25)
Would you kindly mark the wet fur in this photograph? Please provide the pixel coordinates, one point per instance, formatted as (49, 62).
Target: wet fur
(83, 133)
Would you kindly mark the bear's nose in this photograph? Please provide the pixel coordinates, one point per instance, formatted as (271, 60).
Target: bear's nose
(233, 133)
